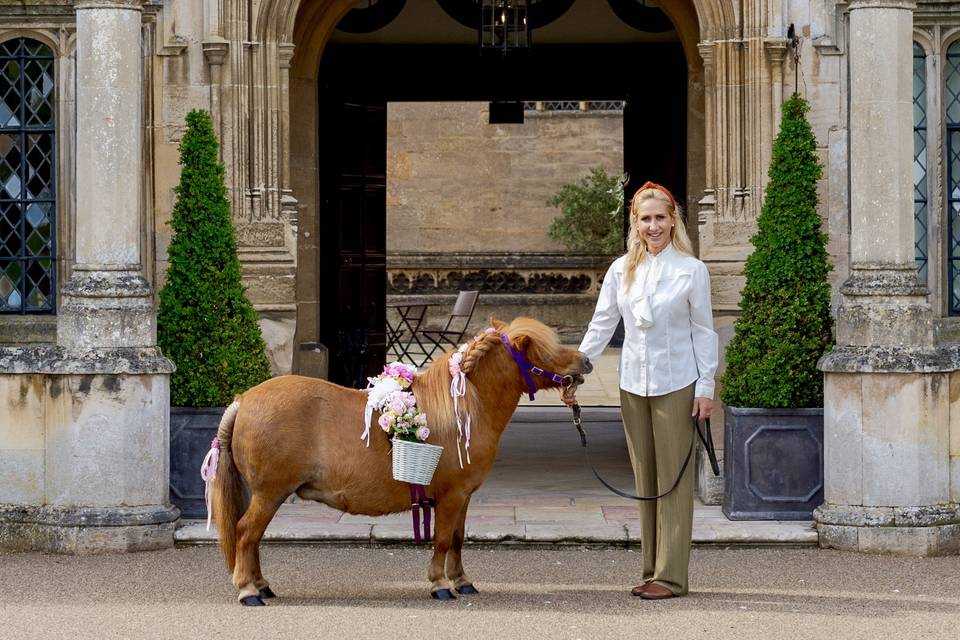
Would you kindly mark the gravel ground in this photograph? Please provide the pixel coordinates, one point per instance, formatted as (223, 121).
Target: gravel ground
(566, 592)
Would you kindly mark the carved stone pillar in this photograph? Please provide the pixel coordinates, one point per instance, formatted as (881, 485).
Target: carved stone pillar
(887, 404)
(708, 202)
(215, 51)
(776, 49)
(89, 436)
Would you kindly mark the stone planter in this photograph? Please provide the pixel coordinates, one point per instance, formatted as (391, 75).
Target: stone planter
(191, 430)
(773, 463)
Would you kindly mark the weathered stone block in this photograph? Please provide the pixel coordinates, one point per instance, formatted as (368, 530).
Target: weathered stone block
(21, 476)
(107, 440)
(837, 537)
(708, 486)
(843, 440)
(915, 541)
(955, 478)
(81, 530)
(260, 234)
(905, 436)
(277, 331)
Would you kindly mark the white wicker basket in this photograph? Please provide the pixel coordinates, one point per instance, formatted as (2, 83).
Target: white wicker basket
(414, 462)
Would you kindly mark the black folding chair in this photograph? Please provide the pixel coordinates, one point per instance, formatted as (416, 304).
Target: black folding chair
(439, 339)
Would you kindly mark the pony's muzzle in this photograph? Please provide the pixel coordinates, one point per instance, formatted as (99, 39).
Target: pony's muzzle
(587, 366)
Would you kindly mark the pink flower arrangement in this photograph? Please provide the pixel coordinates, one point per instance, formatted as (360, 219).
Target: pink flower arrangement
(399, 416)
(404, 373)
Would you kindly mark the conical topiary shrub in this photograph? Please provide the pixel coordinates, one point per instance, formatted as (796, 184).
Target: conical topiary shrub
(785, 323)
(206, 324)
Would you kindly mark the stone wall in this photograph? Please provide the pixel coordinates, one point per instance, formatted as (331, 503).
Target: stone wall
(458, 184)
(558, 289)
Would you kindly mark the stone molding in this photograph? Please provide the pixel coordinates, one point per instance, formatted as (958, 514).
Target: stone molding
(526, 260)
(55, 360)
(215, 50)
(883, 280)
(891, 359)
(857, 516)
(85, 530)
(544, 273)
(134, 5)
(107, 281)
(89, 516)
(285, 51)
(907, 5)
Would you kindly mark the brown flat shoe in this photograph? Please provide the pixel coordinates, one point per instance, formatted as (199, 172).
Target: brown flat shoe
(639, 589)
(655, 591)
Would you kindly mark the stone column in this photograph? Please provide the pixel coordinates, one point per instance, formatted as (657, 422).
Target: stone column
(776, 51)
(89, 438)
(707, 204)
(887, 394)
(107, 302)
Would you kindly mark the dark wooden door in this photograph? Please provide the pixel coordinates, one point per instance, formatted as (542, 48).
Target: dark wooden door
(353, 273)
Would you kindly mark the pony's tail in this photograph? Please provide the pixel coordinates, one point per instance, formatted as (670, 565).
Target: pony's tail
(228, 498)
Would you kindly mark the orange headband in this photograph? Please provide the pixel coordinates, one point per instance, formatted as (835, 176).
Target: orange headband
(653, 185)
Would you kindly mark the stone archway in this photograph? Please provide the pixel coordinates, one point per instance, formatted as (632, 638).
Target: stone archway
(262, 63)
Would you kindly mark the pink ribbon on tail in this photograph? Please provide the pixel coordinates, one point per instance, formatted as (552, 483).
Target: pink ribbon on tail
(208, 471)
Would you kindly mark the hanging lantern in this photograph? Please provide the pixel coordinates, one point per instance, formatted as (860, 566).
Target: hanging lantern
(504, 26)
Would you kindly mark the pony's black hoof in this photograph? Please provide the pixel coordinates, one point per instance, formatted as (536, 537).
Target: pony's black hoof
(443, 594)
(267, 592)
(467, 589)
(251, 601)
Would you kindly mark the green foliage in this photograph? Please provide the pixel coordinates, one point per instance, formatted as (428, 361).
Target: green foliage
(206, 324)
(785, 323)
(591, 214)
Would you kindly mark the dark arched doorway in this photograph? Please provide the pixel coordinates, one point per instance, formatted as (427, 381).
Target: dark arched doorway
(356, 83)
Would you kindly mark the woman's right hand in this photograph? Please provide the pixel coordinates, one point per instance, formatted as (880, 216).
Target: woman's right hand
(569, 395)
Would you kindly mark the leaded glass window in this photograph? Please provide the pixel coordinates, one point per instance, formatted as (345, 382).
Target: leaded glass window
(951, 101)
(27, 189)
(920, 210)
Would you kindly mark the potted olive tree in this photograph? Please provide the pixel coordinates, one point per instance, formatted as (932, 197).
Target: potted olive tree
(591, 221)
(205, 323)
(772, 389)
(591, 214)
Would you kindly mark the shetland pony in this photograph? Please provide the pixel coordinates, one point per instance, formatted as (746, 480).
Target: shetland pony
(293, 434)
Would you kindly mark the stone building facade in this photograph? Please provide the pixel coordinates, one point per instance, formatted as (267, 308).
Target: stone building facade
(110, 82)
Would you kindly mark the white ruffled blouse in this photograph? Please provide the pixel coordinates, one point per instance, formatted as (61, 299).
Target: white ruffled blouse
(669, 341)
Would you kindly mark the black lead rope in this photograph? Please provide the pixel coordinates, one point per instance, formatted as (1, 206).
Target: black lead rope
(705, 437)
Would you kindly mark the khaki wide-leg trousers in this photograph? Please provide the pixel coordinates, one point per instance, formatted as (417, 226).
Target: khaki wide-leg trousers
(658, 430)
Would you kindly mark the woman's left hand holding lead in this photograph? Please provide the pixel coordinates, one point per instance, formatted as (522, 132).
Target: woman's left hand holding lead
(702, 408)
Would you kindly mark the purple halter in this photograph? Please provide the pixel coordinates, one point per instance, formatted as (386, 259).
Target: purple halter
(520, 357)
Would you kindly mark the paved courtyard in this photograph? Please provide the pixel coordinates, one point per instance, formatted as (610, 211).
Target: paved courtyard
(560, 593)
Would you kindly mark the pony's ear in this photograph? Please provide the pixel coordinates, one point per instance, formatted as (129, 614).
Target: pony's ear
(521, 342)
(497, 324)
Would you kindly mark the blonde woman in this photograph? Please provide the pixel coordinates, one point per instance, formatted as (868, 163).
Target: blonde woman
(667, 369)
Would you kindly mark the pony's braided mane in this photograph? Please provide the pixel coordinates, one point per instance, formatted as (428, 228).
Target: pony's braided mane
(477, 349)
(432, 387)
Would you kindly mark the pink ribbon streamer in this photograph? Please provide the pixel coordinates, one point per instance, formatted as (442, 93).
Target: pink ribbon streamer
(458, 389)
(208, 471)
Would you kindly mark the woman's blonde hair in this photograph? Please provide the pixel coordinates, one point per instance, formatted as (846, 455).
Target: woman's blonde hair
(636, 247)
